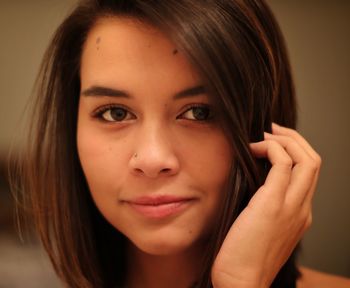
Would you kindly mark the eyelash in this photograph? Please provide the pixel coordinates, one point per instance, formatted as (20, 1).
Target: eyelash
(98, 113)
(194, 106)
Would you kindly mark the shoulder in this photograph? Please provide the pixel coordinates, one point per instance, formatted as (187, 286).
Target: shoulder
(315, 279)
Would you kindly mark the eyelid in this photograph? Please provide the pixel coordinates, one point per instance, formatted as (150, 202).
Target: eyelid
(198, 105)
(99, 111)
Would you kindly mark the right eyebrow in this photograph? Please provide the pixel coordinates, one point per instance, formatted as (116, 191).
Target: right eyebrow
(104, 91)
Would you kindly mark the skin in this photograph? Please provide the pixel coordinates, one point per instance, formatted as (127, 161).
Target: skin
(176, 154)
(288, 192)
(158, 146)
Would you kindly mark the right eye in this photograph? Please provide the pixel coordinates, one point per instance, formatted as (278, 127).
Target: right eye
(114, 114)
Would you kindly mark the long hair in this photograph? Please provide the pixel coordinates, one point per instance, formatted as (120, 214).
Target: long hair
(238, 50)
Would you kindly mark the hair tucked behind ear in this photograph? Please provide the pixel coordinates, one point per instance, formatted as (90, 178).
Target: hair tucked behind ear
(237, 48)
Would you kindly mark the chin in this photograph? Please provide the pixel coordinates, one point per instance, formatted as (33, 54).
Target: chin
(165, 245)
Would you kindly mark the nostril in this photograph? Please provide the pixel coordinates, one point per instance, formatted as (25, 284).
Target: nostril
(138, 171)
(165, 170)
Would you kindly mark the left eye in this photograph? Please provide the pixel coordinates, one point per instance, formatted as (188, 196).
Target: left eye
(198, 113)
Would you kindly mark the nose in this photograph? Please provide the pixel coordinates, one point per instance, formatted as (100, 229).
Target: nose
(154, 155)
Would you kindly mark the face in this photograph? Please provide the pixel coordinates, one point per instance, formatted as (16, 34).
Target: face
(149, 140)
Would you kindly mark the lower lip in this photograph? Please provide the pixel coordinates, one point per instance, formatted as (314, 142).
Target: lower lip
(162, 210)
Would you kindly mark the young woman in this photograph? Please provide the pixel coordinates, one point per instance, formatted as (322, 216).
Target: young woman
(152, 158)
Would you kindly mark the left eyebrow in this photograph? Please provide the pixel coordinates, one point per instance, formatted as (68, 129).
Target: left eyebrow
(112, 92)
(190, 92)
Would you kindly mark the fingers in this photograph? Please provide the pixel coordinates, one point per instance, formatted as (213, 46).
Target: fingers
(304, 170)
(295, 167)
(278, 178)
(279, 130)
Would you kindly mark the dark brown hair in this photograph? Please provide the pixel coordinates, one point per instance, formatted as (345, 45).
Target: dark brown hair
(237, 48)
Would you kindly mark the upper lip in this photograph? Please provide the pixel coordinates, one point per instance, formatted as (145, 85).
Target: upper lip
(158, 200)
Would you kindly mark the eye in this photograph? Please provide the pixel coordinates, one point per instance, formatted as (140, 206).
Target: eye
(198, 113)
(113, 114)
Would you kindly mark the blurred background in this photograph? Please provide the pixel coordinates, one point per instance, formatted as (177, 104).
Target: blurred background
(318, 39)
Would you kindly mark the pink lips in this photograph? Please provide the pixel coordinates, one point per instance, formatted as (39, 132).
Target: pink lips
(159, 206)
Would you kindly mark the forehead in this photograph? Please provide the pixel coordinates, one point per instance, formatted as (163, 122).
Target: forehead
(125, 47)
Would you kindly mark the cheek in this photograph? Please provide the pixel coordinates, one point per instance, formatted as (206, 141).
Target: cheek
(212, 162)
(209, 165)
(102, 163)
(102, 168)
(91, 152)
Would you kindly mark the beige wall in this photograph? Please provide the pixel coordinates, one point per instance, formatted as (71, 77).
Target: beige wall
(317, 34)
(318, 38)
(25, 29)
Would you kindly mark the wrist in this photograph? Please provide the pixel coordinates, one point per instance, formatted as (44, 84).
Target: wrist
(237, 284)
(229, 281)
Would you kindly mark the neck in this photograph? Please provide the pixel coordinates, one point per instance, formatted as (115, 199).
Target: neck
(158, 271)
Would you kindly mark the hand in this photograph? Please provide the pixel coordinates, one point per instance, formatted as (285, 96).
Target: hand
(266, 232)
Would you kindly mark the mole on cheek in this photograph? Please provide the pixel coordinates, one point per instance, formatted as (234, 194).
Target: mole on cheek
(175, 51)
(98, 40)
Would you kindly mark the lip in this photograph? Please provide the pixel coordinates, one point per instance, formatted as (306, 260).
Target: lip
(158, 207)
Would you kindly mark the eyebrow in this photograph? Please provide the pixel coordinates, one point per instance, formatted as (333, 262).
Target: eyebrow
(98, 91)
(104, 91)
